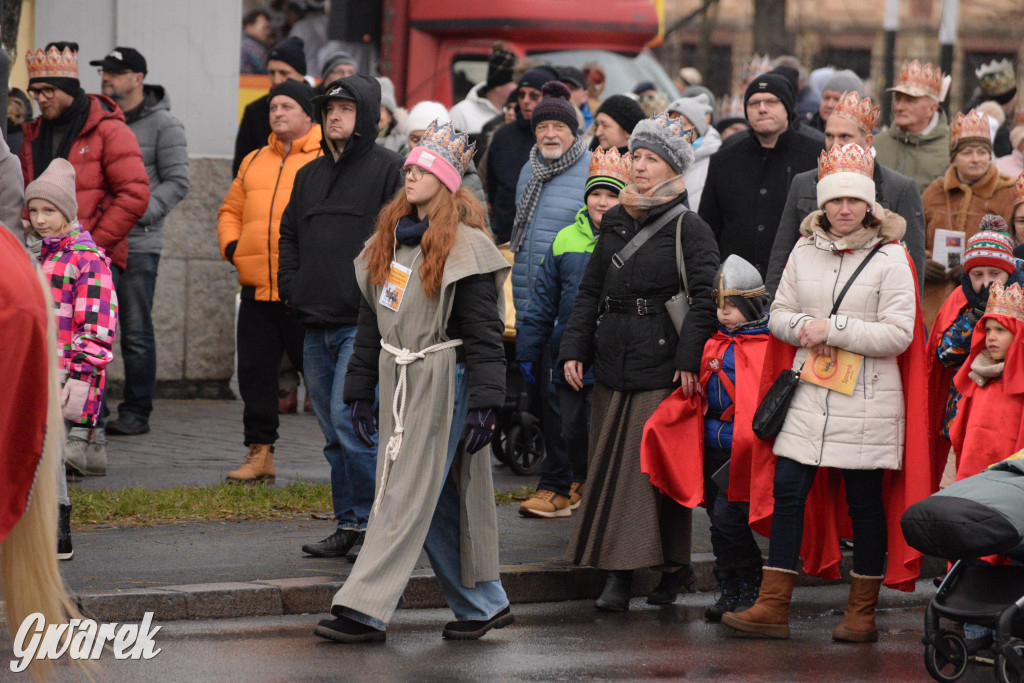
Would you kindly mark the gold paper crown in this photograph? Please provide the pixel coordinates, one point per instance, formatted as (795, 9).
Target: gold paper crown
(1008, 301)
(972, 126)
(756, 66)
(674, 126)
(1018, 190)
(858, 110)
(611, 164)
(52, 63)
(996, 78)
(918, 80)
(452, 146)
(846, 159)
(732, 108)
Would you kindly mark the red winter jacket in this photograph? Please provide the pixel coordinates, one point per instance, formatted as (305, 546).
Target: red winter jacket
(111, 184)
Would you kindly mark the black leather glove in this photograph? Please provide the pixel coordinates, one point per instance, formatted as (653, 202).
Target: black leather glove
(479, 429)
(362, 421)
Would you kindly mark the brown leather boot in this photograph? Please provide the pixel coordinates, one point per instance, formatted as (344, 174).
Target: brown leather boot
(258, 466)
(770, 614)
(859, 624)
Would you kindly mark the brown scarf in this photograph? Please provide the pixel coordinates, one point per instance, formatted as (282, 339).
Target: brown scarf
(984, 368)
(637, 205)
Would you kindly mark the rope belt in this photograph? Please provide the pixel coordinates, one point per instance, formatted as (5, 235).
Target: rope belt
(403, 358)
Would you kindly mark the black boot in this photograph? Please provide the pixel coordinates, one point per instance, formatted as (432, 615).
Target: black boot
(750, 586)
(617, 591)
(64, 549)
(729, 595)
(670, 585)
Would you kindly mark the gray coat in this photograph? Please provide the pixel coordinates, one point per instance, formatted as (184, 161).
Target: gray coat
(895, 192)
(12, 191)
(162, 141)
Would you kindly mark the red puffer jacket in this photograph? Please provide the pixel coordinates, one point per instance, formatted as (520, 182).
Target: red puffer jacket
(111, 184)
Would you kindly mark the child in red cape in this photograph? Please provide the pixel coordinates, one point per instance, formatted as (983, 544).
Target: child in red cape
(690, 438)
(988, 258)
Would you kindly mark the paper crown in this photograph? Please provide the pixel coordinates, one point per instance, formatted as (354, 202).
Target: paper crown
(970, 127)
(757, 65)
(52, 63)
(996, 78)
(920, 80)
(450, 145)
(732, 108)
(1018, 191)
(1008, 301)
(674, 126)
(858, 110)
(612, 165)
(846, 159)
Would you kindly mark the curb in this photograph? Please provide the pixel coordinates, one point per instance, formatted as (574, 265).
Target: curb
(543, 582)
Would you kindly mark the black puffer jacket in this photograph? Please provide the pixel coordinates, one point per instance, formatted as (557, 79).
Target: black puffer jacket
(640, 353)
(332, 211)
(508, 152)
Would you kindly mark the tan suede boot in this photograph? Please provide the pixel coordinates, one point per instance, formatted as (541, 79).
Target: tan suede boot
(859, 624)
(770, 614)
(258, 466)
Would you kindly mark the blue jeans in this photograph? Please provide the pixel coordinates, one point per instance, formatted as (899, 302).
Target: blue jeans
(793, 482)
(135, 289)
(443, 542)
(353, 463)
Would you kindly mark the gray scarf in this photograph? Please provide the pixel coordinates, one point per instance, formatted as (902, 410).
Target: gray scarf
(542, 173)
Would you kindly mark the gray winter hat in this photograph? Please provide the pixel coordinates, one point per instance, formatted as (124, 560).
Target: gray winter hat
(843, 81)
(695, 109)
(741, 284)
(666, 138)
(702, 93)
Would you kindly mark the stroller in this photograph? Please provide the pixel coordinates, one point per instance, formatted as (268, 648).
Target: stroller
(978, 516)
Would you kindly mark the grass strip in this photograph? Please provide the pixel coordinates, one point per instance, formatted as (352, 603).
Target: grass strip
(139, 506)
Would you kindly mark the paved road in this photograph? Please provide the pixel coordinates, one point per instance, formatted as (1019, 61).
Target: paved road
(561, 641)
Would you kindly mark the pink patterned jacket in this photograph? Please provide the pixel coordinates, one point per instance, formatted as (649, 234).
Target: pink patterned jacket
(85, 304)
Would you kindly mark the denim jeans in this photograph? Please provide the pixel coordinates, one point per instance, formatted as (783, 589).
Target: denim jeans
(555, 470)
(732, 541)
(353, 463)
(793, 482)
(135, 288)
(443, 542)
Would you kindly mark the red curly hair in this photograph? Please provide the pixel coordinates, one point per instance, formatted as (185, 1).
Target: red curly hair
(444, 211)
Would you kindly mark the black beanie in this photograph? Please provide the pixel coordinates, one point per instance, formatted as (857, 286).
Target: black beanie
(774, 84)
(500, 66)
(291, 51)
(624, 111)
(555, 106)
(537, 76)
(298, 91)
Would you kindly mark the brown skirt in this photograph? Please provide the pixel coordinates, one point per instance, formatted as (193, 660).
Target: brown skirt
(623, 522)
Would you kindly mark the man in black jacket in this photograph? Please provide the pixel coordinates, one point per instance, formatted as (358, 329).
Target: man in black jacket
(748, 182)
(851, 121)
(333, 208)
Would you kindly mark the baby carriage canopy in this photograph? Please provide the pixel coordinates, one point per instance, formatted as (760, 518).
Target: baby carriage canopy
(978, 516)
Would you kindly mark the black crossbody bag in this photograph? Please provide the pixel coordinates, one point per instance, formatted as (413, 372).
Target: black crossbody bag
(771, 412)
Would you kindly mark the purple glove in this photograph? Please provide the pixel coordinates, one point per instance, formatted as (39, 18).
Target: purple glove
(479, 429)
(362, 421)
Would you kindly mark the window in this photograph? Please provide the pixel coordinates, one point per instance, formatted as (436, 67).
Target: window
(467, 71)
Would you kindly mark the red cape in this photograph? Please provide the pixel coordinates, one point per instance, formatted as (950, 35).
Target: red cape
(826, 516)
(940, 378)
(23, 346)
(672, 451)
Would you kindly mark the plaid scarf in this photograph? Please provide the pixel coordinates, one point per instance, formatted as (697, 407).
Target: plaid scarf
(638, 205)
(542, 173)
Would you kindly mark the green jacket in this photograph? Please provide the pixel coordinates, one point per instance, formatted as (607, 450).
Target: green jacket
(921, 157)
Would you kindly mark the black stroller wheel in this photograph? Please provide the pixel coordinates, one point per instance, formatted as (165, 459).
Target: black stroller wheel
(1009, 667)
(946, 659)
(524, 448)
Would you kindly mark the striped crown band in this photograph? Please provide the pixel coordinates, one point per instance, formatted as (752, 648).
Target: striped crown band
(612, 166)
(972, 126)
(846, 159)
(858, 110)
(52, 63)
(1007, 301)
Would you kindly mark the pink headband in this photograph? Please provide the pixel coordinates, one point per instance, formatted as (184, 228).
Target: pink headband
(431, 161)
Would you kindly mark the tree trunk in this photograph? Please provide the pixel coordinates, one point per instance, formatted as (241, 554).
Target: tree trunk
(770, 36)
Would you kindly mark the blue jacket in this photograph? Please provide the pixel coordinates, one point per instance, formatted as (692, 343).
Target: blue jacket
(554, 292)
(560, 199)
(718, 434)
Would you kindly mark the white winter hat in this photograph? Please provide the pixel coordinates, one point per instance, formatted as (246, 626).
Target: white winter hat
(846, 171)
(425, 112)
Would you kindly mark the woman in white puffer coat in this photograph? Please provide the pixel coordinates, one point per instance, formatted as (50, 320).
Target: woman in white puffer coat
(862, 435)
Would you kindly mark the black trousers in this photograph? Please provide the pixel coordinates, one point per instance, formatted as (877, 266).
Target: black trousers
(266, 330)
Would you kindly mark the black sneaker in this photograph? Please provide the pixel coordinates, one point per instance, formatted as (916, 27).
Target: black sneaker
(353, 552)
(470, 629)
(128, 425)
(64, 549)
(336, 545)
(341, 629)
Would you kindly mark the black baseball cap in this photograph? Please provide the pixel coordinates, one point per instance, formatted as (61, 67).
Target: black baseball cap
(572, 76)
(122, 59)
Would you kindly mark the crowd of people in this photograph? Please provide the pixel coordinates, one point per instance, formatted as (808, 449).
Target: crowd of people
(669, 260)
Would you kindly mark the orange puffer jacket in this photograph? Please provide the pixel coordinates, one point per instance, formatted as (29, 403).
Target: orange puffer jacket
(249, 220)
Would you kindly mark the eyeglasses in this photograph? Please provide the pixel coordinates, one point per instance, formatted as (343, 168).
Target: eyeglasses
(46, 93)
(767, 101)
(415, 173)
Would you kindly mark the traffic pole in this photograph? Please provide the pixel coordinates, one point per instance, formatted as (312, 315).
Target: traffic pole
(891, 24)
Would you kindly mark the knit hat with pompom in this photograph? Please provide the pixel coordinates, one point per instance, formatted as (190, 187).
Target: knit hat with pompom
(555, 106)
